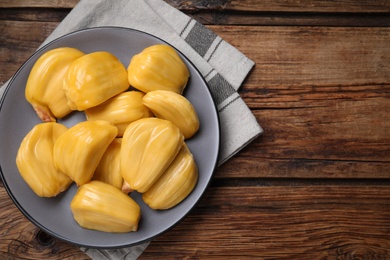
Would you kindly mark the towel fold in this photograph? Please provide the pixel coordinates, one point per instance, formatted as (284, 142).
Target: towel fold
(223, 67)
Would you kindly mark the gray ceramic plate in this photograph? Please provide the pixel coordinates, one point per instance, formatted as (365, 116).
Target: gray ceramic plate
(53, 215)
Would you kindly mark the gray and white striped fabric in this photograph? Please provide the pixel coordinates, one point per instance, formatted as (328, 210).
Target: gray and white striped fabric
(222, 65)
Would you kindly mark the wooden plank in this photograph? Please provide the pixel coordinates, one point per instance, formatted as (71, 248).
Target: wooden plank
(321, 222)
(284, 56)
(338, 130)
(316, 124)
(310, 56)
(38, 3)
(277, 221)
(344, 6)
(251, 164)
(226, 17)
(313, 56)
(285, 6)
(35, 14)
(20, 239)
(18, 41)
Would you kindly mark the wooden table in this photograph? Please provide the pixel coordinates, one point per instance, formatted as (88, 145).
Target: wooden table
(316, 184)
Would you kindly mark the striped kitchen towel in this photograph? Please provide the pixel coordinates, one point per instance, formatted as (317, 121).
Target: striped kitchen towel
(222, 65)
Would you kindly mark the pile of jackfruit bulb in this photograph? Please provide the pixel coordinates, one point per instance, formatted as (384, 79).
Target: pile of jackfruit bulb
(133, 138)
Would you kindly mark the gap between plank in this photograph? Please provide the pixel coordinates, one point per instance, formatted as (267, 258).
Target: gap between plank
(247, 182)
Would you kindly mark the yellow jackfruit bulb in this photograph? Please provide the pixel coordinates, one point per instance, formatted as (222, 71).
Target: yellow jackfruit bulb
(175, 184)
(108, 169)
(44, 88)
(35, 161)
(93, 79)
(158, 67)
(149, 145)
(79, 150)
(175, 108)
(120, 110)
(100, 206)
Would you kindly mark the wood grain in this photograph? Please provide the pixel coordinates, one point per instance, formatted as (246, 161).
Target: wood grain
(38, 3)
(313, 56)
(20, 239)
(322, 6)
(358, 6)
(221, 16)
(18, 41)
(283, 223)
(234, 18)
(316, 184)
(254, 221)
(318, 59)
(339, 130)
